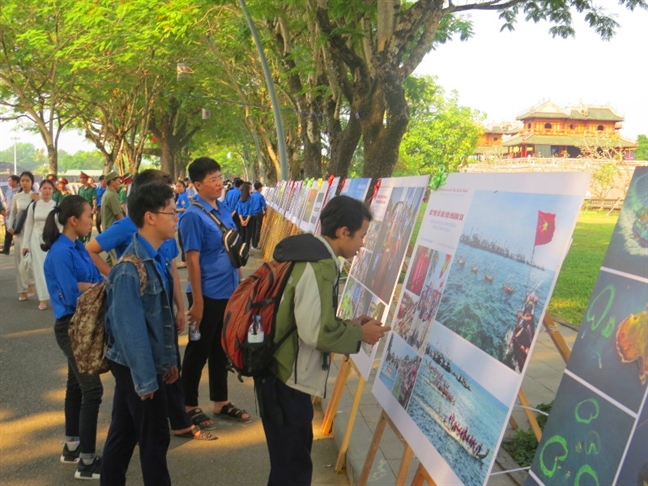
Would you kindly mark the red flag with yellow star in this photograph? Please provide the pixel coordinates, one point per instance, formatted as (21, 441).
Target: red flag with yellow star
(545, 229)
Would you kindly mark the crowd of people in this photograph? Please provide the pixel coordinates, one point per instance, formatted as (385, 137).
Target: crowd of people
(156, 390)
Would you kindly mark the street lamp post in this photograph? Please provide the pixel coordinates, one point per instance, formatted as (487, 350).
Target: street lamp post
(15, 141)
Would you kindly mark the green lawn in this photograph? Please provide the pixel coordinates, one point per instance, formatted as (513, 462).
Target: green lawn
(578, 275)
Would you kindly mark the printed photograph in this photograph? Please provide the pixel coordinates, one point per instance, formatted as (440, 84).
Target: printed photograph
(400, 369)
(628, 250)
(611, 350)
(504, 268)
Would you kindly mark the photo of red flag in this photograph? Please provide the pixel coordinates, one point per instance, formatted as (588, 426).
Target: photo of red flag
(545, 229)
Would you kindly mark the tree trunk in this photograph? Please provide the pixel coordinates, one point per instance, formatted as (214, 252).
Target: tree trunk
(343, 142)
(52, 159)
(312, 141)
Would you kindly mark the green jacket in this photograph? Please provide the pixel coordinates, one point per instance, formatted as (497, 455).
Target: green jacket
(308, 302)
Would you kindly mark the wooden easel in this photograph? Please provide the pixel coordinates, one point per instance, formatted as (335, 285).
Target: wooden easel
(408, 454)
(565, 352)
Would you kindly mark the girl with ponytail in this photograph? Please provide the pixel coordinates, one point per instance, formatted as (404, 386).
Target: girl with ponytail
(69, 271)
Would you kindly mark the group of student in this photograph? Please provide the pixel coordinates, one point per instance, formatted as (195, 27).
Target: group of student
(154, 388)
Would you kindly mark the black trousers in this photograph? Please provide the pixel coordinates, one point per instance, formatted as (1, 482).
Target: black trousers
(98, 219)
(287, 417)
(136, 421)
(83, 394)
(178, 417)
(258, 222)
(207, 348)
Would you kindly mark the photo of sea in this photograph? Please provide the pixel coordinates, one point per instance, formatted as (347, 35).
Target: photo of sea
(609, 352)
(628, 249)
(583, 440)
(460, 418)
(484, 295)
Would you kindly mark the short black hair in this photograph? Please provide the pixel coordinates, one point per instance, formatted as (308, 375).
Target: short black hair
(257, 186)
(149, 176)
(148, 198)
(14, 178)
(343, 211)
(102, 177)
(201, 168)
(238, 182)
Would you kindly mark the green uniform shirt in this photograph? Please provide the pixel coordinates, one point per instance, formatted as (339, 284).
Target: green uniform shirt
(88, 193)
(57, 196)
(123, 195)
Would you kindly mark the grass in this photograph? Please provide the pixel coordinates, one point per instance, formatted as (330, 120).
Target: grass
(581, 266)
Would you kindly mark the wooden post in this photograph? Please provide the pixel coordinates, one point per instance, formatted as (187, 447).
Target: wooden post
(422, 475)
(530, 415)
(556, 337)
(336, 396)
(339, 465)
(404, 464)
(373, 448)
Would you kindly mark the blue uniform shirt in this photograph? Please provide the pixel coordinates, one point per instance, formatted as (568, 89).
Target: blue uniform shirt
(67, 263)
(182, 203)
(232, 198)
(258, 203)
(120, 235)
(244, 208)
(200, 233)
(99, 194)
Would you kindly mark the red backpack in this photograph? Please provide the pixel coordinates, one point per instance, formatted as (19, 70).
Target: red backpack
(250, 319)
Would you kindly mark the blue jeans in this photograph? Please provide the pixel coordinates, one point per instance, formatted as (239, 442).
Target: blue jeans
(83, 394)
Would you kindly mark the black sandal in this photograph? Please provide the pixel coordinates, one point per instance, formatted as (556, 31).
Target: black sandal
(196, 433)
(232, 412)
(198, 417)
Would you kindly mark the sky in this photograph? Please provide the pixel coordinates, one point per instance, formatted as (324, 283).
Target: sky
(503, 74)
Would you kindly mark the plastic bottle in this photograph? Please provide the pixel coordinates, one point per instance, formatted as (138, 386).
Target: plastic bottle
(194, 332)
(255, 331)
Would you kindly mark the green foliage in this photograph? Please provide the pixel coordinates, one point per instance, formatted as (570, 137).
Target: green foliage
(642, 150)
(582, 264)
(441, 133)
(522, 446)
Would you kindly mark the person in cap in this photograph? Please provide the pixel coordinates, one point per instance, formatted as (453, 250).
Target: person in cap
(61, 190)
(111, 210)
(87, 192)
(124, 190)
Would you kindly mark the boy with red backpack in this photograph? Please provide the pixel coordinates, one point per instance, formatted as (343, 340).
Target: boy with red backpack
(307, 312)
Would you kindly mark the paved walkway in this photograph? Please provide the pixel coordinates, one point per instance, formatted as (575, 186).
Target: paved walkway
(32, 377)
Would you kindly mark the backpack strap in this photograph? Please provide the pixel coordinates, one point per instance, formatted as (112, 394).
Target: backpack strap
(218, 222)
(141, 269)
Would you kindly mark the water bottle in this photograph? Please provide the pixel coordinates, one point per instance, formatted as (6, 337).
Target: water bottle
(255, 331)
(194, 332)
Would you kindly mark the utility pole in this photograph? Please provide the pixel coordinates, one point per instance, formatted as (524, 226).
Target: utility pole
(15, 141)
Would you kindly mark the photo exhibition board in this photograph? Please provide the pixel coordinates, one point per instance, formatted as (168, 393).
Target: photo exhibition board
(326, 192)
(597, 431)
(375, 270)
(309, 204)
(356, 188)
(301, 202)
(481, 274)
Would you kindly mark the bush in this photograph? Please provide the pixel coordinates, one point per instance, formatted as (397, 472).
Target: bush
(522, 446)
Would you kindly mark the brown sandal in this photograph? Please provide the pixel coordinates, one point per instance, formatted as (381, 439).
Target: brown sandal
(232, 412)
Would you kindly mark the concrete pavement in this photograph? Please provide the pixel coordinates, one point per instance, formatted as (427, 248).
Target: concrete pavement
(32, 387)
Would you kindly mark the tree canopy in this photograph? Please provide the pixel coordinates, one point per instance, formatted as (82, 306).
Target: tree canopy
(174, 78)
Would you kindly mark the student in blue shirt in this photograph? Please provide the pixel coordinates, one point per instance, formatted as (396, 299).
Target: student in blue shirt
(244, 214)
(182, 203)
(212, 279)
(100, 190)
(140, 343)
(69, 271)
(259, 209)
(118, 237)
(232, 198)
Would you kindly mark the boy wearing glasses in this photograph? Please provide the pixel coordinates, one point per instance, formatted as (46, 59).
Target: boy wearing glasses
(140, 339)
(212, 279)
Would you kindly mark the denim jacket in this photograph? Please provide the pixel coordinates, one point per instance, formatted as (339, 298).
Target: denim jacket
(140, 331)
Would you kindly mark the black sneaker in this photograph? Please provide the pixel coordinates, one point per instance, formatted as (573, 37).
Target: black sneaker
(89, 471)
(70, 457)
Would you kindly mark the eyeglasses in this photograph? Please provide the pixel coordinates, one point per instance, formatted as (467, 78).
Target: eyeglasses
(170, 213)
